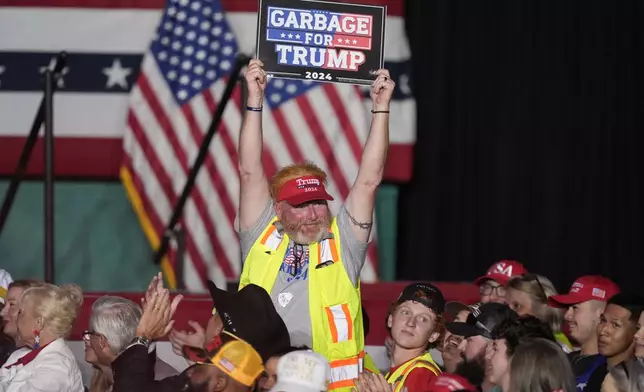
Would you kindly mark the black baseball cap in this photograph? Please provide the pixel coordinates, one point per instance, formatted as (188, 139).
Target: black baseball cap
(482, 321)
(250, 315)
(453, 308)
(424, 293)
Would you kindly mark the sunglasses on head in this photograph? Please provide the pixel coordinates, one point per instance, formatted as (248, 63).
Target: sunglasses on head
(534, 277)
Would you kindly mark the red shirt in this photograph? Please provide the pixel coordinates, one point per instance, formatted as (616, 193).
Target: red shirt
(418, 379)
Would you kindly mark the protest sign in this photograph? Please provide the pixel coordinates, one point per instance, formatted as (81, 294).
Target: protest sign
(321, 40)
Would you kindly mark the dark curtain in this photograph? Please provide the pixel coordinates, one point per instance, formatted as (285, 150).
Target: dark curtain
(530, 122)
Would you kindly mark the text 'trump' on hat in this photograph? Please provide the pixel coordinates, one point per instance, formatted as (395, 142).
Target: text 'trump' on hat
(424, 293)
(303, 189)
(586, 288)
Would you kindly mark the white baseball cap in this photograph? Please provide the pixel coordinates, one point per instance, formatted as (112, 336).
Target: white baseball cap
(5, 281)
(302, 371)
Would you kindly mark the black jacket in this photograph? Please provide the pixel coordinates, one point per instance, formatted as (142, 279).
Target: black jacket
(134, 371)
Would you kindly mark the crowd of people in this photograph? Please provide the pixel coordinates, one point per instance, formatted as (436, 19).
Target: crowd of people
(297, 322)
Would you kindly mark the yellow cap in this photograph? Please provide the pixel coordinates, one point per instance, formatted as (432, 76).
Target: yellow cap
(240, 361)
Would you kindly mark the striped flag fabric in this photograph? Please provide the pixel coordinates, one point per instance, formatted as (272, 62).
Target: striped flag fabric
(142, 82)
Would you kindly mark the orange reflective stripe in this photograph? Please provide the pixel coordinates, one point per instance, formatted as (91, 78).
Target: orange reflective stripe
(340, 322)
(344, 362)
(342, 384)
(268, 233)
(319, 253)
(345, 309)
(334, 330)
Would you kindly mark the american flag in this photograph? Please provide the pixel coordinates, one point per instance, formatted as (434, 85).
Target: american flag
(166, 113)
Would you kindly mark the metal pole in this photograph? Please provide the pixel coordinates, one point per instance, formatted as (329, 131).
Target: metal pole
(18, 174)
(49, 176)
(242, 60)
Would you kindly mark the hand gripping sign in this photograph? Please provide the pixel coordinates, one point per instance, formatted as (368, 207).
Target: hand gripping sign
(321, 40)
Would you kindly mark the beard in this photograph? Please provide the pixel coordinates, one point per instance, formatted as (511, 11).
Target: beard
(472, 369)
(301, 233)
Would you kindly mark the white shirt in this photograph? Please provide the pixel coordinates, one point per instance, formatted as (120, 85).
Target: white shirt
(16, 355)
(54, 369)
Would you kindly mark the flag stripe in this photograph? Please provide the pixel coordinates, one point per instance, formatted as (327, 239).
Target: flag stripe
(341, 113)
(394, 7)
(324, 145)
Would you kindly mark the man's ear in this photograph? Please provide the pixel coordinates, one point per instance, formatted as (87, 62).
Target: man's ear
(278, 209)
(390, 321)
(103, 343)
(220, 382)
(434, 337)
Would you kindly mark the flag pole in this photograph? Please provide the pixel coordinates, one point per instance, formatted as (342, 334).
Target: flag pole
(241, 61)
(50, 81)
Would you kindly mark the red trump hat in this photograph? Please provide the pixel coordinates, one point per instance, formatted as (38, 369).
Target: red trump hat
(502, 271)
(586, 288)
(303, 189)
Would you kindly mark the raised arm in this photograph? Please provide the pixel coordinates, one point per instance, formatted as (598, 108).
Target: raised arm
(254, 193)
(362, 197)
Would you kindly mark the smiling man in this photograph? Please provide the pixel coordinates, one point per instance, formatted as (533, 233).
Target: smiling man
(585, 304)
(292, 246)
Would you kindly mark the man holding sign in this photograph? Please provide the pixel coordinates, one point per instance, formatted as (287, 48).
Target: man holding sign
(307, 260)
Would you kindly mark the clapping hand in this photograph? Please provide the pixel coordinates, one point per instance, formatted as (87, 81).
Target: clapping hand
(158, 310)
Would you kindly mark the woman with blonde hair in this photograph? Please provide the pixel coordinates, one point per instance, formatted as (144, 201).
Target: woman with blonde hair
(528, 294)
(9, 315)
(46, 315)
(539, 365)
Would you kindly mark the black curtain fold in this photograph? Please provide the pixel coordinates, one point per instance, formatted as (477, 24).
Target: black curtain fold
(529, 143)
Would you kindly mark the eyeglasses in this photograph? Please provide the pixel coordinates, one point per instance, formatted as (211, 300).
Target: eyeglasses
(488, 289)
(87, 335)
(531, 277)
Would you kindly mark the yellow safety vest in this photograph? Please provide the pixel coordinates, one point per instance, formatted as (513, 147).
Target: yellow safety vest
(398, 378)
(563, 341)
(334, 302)
(370, 364)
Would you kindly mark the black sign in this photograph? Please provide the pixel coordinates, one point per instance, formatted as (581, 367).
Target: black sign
(321, 40)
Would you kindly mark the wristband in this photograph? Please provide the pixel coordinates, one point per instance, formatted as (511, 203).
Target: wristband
(254, 109)
(379, 111)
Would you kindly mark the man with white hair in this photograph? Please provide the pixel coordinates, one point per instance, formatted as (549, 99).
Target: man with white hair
(112, 328)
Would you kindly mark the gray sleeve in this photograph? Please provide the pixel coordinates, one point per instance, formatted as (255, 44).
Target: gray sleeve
(248, 237)
(354, 251)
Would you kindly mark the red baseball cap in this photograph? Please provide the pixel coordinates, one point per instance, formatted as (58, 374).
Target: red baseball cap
(584, 289)
(302, 189)
(447, 382)
(502, 271)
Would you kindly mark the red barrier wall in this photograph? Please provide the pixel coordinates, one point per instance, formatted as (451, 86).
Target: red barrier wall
(376, 299)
